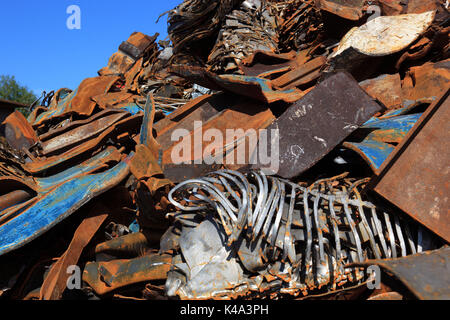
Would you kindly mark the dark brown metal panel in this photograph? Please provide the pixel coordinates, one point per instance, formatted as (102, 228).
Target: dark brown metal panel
(426, 275)
(416, 176)
(317, 123)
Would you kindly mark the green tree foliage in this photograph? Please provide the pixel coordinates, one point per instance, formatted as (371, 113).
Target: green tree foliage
(11, 90)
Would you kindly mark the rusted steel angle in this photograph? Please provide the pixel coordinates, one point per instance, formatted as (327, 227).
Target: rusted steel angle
(100, 160)
(18, 132)
(105, 277)
(78, 133)
(56, 281)
(220, 112)
(376, 146)
(317, 123)
(415, 177)
(426, 275)
(253, 87)
(128, 124)
(347, 9)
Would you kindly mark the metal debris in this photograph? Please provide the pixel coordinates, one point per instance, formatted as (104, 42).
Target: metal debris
(358, 91)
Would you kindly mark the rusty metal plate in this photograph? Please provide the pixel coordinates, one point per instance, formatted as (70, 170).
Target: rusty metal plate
(317, 123)
(416, 176)
(80, 134)
(18, 131)
(347, 9)
(220, 112)
(426, 275)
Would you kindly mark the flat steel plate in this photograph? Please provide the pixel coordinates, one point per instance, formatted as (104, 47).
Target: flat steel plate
(314, 125)
(416, 176)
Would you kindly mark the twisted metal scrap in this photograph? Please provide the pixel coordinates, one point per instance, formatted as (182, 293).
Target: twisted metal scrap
(195, 20)
(302, 25)
(305, 236)
(249, 28)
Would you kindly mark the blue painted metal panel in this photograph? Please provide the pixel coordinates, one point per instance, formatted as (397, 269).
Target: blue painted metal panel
(56, 205)
(87, 166)
(379, 143)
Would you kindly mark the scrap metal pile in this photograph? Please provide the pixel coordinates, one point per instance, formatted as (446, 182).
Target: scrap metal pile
(122, 189)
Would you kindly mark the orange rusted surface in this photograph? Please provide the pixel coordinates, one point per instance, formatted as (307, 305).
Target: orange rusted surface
(348, 9)
(18, 132)
(386, 88)
(105, 277)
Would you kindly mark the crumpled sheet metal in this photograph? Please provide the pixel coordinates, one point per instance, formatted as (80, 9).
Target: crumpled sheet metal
(78, 101)
(28, 222)
(96, 162)
(249, 28)
(129, 52)
(386, 88)
(78, 132)
(42, 165)
(25, 189)
(426, 274)
(352, 10)
(18, 132)
(415, 177)
(253, 87)
(384, 135)
(105, 277)
(317, 123)
(219, 112)
(209, 264)
(195, 20)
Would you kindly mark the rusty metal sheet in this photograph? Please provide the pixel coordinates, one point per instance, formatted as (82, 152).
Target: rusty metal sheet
(376, 146)
(426, 275)
(386, 35)
(348, 9)
(317, 123)
(265, 61)
(415, 177)
(78, 134)
(129, 51)
(301, 75)
(127, 246)
(18, 132)
(220, 112)
(56, 280)
(14, 191)
(129, 124)
(98, 161)
(253, 87)
(387, 88)
(428, 82)
(105, 277)
(79, 101)
(40, 214)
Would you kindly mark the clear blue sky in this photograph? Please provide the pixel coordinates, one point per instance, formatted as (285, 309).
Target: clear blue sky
(43, 54)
